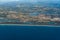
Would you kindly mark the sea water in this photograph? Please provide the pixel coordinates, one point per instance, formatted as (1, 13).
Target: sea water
(15, 32)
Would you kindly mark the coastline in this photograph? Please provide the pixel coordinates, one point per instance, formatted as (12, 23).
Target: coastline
(29, 25)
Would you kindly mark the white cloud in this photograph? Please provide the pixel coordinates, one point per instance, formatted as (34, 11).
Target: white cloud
(7, 0)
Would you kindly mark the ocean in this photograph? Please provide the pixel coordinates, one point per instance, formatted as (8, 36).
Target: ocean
(15, 32)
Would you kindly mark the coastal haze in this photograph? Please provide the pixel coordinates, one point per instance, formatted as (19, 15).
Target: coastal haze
(34, 12)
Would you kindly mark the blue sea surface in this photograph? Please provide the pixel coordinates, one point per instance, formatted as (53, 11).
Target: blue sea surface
(14, 32)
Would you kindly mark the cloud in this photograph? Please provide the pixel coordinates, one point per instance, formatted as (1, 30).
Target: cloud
(7, 0)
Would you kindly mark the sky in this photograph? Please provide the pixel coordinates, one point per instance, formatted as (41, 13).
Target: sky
(28, 0)
(7, 0)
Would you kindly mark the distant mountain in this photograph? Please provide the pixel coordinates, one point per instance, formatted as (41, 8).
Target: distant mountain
(14, 3)
(27, 7)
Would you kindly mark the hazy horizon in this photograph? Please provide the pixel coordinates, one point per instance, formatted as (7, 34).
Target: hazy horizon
(30, 0)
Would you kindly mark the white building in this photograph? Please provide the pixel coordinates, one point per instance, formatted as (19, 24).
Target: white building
(55, 19)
